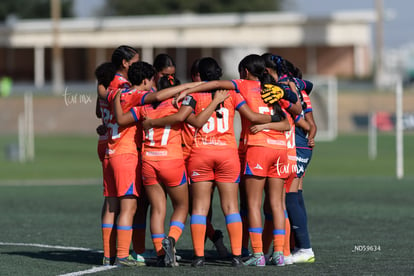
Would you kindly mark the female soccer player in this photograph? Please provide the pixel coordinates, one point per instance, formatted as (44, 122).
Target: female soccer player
(304, 147)
(187, 135)
(305, 127)
(165, 66)
(162, 157)
(275, 66)
(120, 203)
(104, 74)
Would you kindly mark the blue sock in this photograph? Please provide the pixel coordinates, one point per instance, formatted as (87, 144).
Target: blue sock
(302, 202)
(297, 221)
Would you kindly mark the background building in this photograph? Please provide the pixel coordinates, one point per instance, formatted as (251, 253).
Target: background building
(339, 44)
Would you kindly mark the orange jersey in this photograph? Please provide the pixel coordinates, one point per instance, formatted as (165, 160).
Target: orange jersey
(103, 139)
(124, 139)
(119, 82)
(290, 137)
(291, 145)
(187, 139)
(161, 143)
(307, 100)
(250, 90)
(217, 132)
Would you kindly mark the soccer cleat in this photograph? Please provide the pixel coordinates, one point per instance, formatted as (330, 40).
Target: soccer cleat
(108, 261)
(149, 254)
(138, 257)
(236, 261)
(168, 244)
(219, 245)
(288, 260)
(128, 261)
(278, 258)
(257, 259)
(198, 262)
(303, 256)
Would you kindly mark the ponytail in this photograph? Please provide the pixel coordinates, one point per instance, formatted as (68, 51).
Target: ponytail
(122, 53)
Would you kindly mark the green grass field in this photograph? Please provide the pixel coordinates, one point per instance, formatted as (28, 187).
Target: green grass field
(353, 203)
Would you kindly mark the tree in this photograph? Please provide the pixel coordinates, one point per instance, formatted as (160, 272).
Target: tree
(147, 7)
(31, 8)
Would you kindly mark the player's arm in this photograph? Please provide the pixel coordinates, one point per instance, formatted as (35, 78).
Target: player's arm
(169, 92)
(98, 112)
(185, 111)
(302, 123)
(207, 86)
(173, 119)
(281, 126)
(255, 118)
(122, 119)
(313, 129)
(200, 119)
(102, 93)
(295, 108)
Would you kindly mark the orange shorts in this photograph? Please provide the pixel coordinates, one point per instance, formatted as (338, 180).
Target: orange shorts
(171, 173)
(109, 184)
(101, 150)
(292, 168)
(266, 162)
(126, 174)
(214, 165)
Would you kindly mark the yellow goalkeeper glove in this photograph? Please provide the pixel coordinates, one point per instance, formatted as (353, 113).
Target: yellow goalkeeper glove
(272, 93)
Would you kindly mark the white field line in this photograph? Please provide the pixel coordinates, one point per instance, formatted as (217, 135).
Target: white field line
(94, 269)
(77, 273)
(51, 246)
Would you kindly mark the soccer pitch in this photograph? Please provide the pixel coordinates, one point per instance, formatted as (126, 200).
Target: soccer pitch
(360, 216)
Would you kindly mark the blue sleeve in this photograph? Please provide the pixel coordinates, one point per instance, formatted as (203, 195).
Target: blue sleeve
(134, 114)
(235, 86)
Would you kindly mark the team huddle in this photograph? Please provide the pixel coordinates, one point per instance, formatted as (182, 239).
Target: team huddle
(159, 137)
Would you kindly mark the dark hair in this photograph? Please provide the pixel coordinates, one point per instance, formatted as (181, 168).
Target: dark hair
(277, 63)
(293, 70)
(209, 69)
(194, 68)
(140, 71)
(105, 73)
(167, 81)
(162, 61)
(255, 64)
(121, 53)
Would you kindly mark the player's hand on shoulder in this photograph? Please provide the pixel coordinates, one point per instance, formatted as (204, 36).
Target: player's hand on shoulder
(256, 128)
(272, 93)
(221, 95)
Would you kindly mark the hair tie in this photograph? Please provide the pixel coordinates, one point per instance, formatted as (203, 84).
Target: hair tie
(171, 79)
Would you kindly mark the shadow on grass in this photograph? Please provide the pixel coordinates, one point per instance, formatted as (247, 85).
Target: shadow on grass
(73, 256)
(95, 258)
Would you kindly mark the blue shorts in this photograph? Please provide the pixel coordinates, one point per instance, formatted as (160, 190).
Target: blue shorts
(304, 156)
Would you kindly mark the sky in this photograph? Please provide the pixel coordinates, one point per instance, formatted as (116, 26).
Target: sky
(398, 27)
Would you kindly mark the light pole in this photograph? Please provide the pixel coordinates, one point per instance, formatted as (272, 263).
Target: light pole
(379, 43)
(57, 53)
